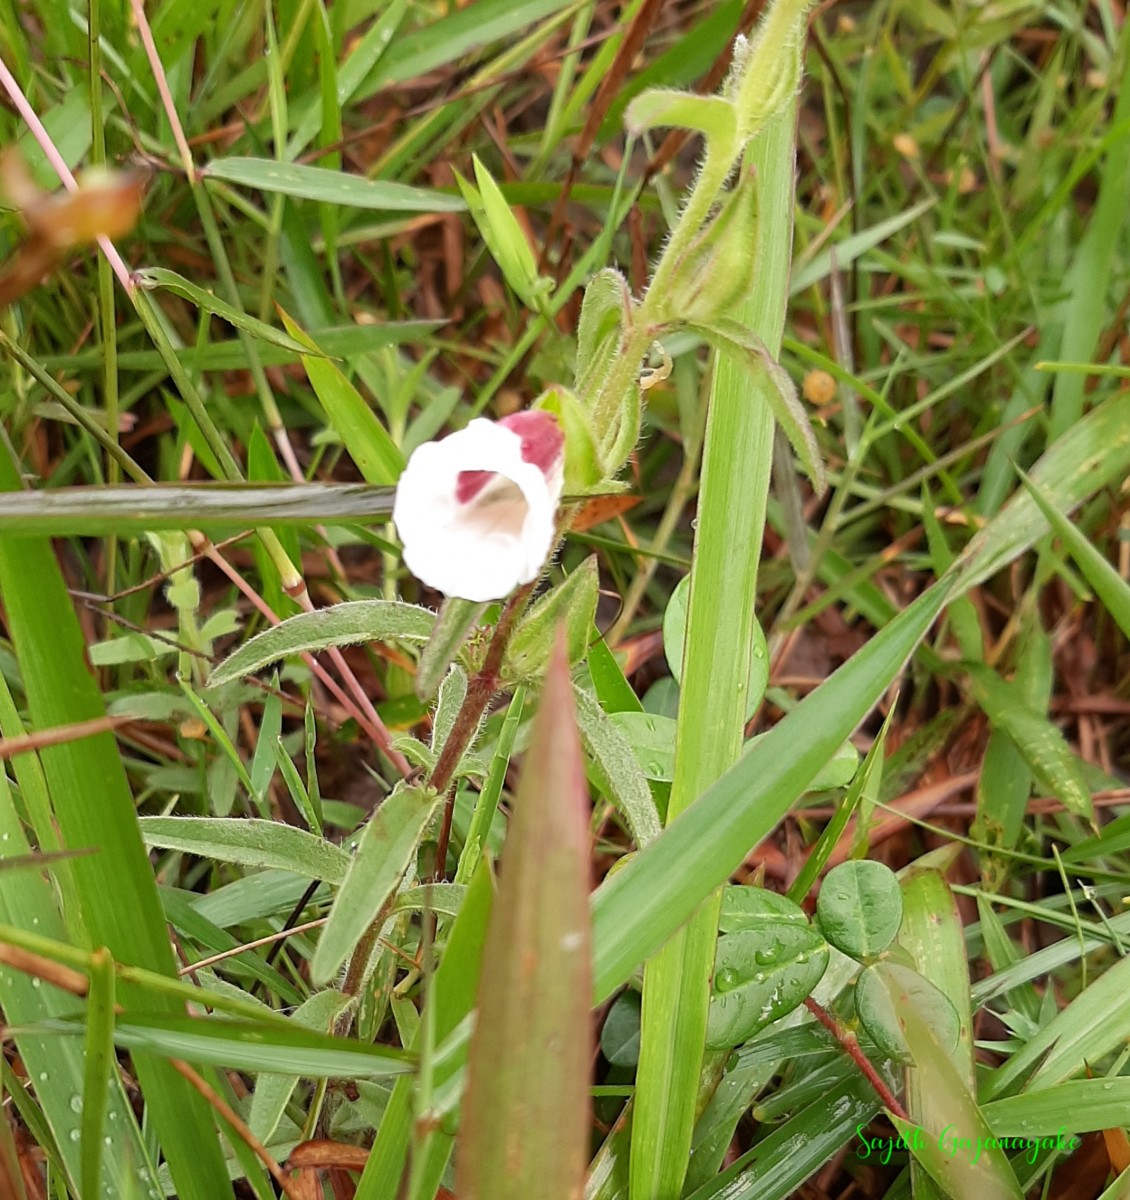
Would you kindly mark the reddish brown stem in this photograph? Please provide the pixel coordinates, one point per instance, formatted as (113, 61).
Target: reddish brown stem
(848, 1041)
(480, 690)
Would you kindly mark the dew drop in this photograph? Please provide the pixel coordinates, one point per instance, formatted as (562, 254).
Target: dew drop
(75, 1135)
(4, 837)
(726, 980)
(765, 957)
(759, 977)
(42, 1076)
(76, 1103)
(35, 983)
(107, 1140)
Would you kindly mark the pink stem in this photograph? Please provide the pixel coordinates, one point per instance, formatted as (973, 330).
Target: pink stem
(61, 169)
(156, 66)
(378, 733)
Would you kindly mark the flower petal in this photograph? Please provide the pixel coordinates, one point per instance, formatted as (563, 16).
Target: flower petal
(475, 514)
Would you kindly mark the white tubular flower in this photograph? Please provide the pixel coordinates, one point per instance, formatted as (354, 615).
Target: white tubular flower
(475, 511)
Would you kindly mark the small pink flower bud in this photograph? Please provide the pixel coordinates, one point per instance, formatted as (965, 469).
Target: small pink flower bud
(475, 511)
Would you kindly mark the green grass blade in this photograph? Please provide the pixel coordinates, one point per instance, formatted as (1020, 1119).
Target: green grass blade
(932, 932)
(330, 187)
(1042, 746)
(1092, 1025)
(1092, 454)
(377, 456)
(1080, 1106)
(384, 851)
(1093, 259)
(250, 1045)
(787, 1156)
(486, 805)
(712, 709)
(104, 511)
(152, 278)
(363, 59)
(456, 34)
(94, 807)
(1109, 586)
(100, 1062)
(56, 1070)
(452, 993)
(638, 908)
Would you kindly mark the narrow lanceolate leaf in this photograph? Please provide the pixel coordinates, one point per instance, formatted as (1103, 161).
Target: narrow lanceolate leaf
(526, 1110)
(272, 1092)
(377, 456)
(343, 624)
(329, 187)
(445, 639)
(573, 603)
(775, 387)
(503, 235)
(160, 277)
(712, 116)
(620, 773)
(388, 843)
(1042, 746)
(1109, 586)
(249, 842)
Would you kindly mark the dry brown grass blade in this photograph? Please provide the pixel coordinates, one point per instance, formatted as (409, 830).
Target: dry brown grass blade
(12, 1177)
(59, 735)
(239, 1125)
(39, 967)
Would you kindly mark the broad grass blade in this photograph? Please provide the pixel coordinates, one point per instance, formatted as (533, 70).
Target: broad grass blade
(721, 631)
(526, 1110)
(94, 807)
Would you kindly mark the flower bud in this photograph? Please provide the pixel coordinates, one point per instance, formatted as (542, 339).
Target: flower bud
(717, 270)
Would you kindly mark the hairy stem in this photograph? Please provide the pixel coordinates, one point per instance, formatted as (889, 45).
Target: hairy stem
(480, 689)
